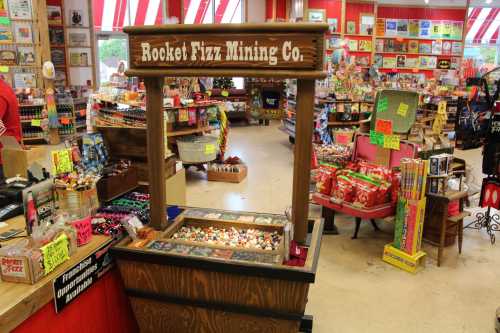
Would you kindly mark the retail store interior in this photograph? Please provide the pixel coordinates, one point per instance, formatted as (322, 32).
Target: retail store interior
(249, 165)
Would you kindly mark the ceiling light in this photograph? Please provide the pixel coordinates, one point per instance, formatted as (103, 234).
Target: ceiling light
(488, 2)
(426, 1)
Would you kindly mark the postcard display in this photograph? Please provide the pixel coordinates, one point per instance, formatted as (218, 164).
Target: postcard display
(219, 285)
(19, 65)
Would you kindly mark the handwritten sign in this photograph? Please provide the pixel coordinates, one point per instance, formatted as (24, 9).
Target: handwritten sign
(209, 149)
(55, 253)
(342, 138)
(383, 126)
(391, 142)
(36, 122)
(183, 115)
(402, 109)
(376, 138)
(382, 104)
(62, 161)
(83, 231)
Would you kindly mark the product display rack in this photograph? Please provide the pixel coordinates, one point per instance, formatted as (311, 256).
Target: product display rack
(239, 99)
(33, 119)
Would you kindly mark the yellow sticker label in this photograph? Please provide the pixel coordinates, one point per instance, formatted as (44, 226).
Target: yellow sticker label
(209, 149)
(402, 109)
(4, 69)
(62, 161)
(36, 122)
(55, 253)
(391, 142)
(224, 93)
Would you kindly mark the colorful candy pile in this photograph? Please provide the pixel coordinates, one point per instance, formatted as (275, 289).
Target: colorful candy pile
(242, 238)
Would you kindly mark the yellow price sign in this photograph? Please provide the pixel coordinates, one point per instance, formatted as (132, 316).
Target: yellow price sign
(391, 141)
(402, 109)
(4, 69)
(55, 253)
(62, 161)
(209, 149)
(36, 122)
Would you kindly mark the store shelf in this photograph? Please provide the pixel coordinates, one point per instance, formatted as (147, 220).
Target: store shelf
(35, 138)
(25, 121)
(358, 35)
(421, 54)
(189, 131)
(411, 68)
(360, 51)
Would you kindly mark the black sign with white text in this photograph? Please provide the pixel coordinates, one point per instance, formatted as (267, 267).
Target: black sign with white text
(81, 276)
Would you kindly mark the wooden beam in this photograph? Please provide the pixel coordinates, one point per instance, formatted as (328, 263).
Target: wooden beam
(342, 20)
(302, 158)
(156, 151)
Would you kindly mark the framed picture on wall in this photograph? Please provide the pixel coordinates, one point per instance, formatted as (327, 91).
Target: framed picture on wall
(26, 55)
(316, 15)
(401, 61)
(333, 25)
(351, 27)
(78, 38)
(54, 14)
(76, 17)
(23, 32)
(8, 57)
(20, 9)
(366, 23)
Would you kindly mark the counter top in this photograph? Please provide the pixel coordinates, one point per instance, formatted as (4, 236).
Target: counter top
(19, 301)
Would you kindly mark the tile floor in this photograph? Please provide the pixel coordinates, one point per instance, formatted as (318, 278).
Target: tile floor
(355, 290)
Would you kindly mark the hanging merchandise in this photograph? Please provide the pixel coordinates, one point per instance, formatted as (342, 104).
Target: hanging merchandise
(51, 108)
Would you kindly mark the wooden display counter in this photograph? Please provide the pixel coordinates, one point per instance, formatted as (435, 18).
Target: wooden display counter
(19, 301)
(219, 288)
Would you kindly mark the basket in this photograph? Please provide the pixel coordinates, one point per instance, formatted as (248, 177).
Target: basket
(197, 149)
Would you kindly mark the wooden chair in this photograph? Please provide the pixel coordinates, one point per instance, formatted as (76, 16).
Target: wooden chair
(437, 206)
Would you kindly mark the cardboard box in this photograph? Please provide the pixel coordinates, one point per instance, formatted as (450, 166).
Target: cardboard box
(403, 260)
(228, 177)
(16, 160)
(20, 269)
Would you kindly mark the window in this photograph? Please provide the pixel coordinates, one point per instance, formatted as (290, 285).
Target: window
(213, 11)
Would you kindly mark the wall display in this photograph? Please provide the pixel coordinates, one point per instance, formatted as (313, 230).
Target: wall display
(78, 38)
(401, 61)
(366, 23)
(446, 47)
(365, 45)
(425, 48)
(5, 35)
(380, 27)
(379, 45)
(424, 29)
(334, 42)
(413, 46)
(455, 63)
(402, 28)
(351, 27)
(444, 64)
(247, 51)
(456, 30)
(23, 32)
(389, 62)
(56, 36)
(428, 62)
(400, 46)
(388, 45)
(76, 17)
(8, 56)
(437, 47)
(362, 61)
(4, 8)
(413, 28)
(412, 62)
(54, 14)
(60, 79)
(24, 78)
(57, 57)
(352, 44)
(378, 60)
(456, 48)
(79, 58)
(26, 55)
(332, 25)
(391, 27)
(20, 9)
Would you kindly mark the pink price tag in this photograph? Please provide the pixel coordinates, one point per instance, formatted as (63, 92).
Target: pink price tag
(83, 230)
(342, 139)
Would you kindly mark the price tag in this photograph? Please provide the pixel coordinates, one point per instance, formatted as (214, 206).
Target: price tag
(402, 109)
(36, 122)
(224, 93)
(65, 121)
(83, 112)
(209, 93)
(183, 115)
(382, 104)
(209, 149)
(342, 139)
(376, 138)
(391, 142)
(4, 69)
(383, 126)
(55, 253)
(84, 230)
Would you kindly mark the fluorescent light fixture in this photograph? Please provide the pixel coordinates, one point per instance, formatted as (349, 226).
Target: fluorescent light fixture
(488, 2)
(426, 1)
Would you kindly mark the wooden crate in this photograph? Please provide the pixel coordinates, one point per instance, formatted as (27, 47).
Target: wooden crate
(114, 186)
(20, 269)
(228, 177)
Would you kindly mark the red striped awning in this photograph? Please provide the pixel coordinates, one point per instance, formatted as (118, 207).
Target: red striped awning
(483, 26)
(200, 11)
(113, 15)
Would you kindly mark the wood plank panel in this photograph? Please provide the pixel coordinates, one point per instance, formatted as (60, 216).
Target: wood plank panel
(153, 316)
(302, 158)
(156, 151)
(217, 287)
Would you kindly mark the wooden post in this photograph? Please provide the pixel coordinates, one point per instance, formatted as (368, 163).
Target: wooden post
(156, 151)
(302, 157)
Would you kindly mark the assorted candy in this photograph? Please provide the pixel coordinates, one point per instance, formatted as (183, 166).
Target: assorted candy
(242, 238)
(76, 181)
(333, 153)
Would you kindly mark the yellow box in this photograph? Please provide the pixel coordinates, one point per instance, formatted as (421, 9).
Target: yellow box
(403, 260)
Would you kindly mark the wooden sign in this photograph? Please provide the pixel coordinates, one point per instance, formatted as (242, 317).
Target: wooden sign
(249, 47)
